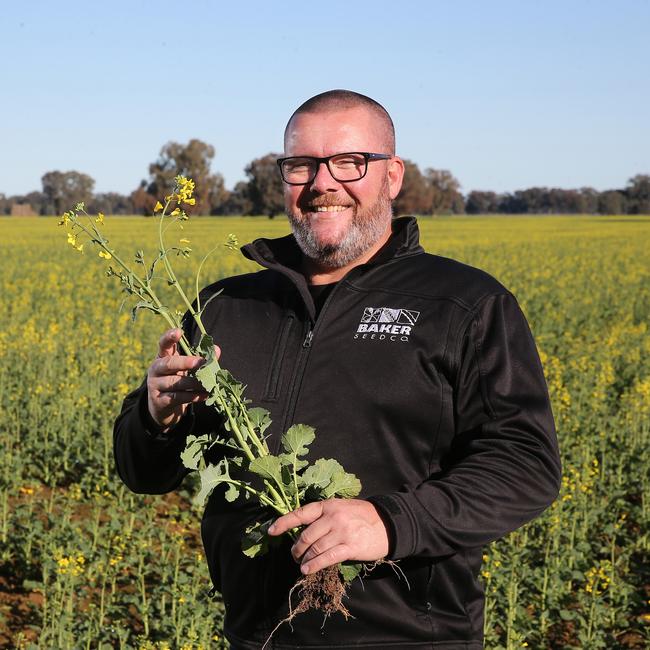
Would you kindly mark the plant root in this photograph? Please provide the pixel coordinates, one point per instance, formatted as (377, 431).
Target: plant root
(322, 591)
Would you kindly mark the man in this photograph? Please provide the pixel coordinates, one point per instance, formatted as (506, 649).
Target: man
(419, 374)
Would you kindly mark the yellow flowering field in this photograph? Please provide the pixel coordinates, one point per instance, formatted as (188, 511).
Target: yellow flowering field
(86, 564)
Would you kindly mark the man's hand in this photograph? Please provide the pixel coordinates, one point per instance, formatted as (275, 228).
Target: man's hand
(169, 388)
(336, 530)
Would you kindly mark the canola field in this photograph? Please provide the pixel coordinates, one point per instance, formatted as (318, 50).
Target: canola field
(84, 563)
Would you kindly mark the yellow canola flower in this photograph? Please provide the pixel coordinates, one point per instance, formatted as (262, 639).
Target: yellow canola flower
(158, 207)
(105, 255)
(184, 189)
(175, 212)
(72, 240)
(100, 218)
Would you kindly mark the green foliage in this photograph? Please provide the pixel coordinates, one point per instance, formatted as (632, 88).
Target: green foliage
(328, 479)
(192, 455)
(208, 373)
(213, 475)
(256, 539)
(351, 570)
(296, 441)
(268, 467)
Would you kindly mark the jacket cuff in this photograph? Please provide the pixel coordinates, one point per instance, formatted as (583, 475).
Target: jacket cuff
(153, 430)
(400, 524)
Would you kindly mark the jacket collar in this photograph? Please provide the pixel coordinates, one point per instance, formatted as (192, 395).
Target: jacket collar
(284, 256)
(284, 251)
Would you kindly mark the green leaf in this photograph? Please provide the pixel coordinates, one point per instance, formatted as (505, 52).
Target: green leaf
(260, 418)
(319, 475)
(349, 571)
(193, 452)
(567, 615)
(231, 493)
(207, 373)
(297, 438)
(269, 467)
(212, 476)
(256, 540)
(344, 485)
(327, 478)
(289, 460)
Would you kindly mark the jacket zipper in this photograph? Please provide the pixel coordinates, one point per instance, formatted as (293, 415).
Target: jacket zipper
(273, 380)
(303, 355)
(296, 380)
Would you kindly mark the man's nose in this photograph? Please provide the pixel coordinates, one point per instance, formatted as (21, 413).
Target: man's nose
(324, 181)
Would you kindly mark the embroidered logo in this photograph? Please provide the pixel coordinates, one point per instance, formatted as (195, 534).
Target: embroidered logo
(386, 324)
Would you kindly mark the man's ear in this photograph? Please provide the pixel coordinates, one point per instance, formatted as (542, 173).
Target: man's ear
(395, 176)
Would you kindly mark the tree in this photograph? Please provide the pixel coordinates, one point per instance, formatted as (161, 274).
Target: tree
(63, 190)
(638, 194)
(38, 201)
(588, 200)
(238, 201)
(192, 160)
(416, 194)
(217, 194)
(111, 203)
(265, 189)
(142, 201)
(446, 196)
(482, 202)
(611, 202)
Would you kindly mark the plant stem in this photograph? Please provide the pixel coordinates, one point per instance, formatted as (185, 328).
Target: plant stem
(172, 275)
(198, 273)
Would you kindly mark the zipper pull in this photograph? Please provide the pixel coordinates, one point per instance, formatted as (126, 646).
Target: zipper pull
(307, 342)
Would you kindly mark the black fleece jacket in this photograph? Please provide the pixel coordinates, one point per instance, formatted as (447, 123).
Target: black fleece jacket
(421, 376)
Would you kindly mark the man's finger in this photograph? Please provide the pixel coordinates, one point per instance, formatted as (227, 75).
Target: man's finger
(168, 341)
(321, 545)
(303, 516)
(171, 365)
(313, 537)
(332, 556)
(169, 383)
(175, 398)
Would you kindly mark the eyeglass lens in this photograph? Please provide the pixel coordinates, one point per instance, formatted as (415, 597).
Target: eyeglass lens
(343, 167)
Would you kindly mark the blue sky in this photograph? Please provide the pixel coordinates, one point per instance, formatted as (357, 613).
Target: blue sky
(505, 95)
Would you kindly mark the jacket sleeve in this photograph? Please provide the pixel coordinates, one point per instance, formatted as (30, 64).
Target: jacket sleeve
(503, 466)
(147, 460)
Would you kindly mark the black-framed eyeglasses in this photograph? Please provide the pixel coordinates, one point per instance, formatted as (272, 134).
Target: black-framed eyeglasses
(344, 167)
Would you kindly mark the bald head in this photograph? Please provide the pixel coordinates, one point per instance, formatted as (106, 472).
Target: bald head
(340, 100)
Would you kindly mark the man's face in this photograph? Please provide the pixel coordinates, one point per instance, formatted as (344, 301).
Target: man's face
(336, 223)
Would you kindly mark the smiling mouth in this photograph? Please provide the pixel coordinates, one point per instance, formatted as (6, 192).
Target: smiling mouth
(327, 208)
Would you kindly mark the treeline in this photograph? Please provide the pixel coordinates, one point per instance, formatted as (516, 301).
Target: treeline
(433, 191)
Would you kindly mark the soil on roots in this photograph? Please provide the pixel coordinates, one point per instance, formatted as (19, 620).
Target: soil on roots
(322, 591)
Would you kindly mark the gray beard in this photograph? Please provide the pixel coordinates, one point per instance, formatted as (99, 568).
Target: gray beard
(364, 231)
